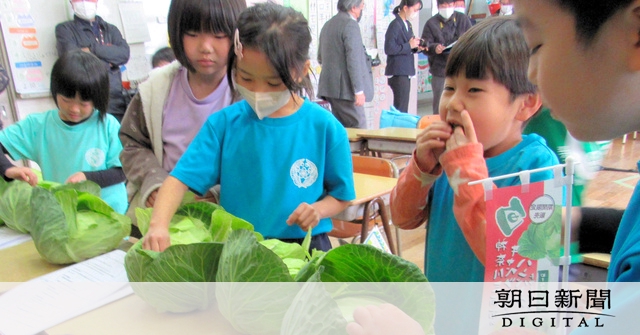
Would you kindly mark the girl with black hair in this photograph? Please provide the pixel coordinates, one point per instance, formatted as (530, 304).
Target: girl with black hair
(283, 163)
(77, 141)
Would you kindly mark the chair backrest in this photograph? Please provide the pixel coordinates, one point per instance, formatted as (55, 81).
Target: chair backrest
(374, 166)
(426, 120)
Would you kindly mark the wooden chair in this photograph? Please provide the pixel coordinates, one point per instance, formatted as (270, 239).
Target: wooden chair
(426, 120)
(361, 226)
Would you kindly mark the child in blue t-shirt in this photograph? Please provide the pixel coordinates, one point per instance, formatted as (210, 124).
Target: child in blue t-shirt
(283, 163)
(76, 142)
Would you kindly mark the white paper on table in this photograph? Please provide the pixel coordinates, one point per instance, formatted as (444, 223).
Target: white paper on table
(10, 237)
(51, 299)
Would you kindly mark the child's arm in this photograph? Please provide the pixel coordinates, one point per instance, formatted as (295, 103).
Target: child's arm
(103, 178)
(169, 198)
(10, 171)
(139, 162)
(409, 208)
(464, 162)
(307, 216)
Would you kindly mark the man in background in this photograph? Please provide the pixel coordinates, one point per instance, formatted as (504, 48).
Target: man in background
(346, 80)
(92, 34)
(441, 31)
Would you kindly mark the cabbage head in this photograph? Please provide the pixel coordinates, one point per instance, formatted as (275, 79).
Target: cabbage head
(177, 279)
(15, 205)
(70, 226)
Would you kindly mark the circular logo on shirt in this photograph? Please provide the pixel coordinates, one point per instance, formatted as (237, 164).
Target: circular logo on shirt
(95, 157)
(304, 173)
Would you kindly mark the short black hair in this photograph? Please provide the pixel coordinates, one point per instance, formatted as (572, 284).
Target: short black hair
(495, 46)
(408, 3)
(283, 35)
(79, 72)
(162, 55)
(591, 15)
(213, 16)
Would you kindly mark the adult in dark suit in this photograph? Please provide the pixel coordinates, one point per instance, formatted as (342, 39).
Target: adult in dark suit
(346, 80)
(92, 34)
(440, 31)
(400, 45)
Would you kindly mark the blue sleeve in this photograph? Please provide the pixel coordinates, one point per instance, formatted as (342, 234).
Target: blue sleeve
(113, 141)
(199, 166)
(19, 139)
(339, 168)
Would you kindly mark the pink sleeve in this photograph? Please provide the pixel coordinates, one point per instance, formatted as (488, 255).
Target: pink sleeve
(409, 198)
(462, 165)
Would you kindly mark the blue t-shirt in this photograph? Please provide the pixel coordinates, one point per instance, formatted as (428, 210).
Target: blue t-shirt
(448, 257)
(62, 150)
(625, 256)
(266, 168)
(623, 268)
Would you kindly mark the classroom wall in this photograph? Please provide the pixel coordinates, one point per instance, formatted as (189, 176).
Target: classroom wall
(373, 27)
(36, 19)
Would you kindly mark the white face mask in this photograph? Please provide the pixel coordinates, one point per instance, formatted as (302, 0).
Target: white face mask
(446, 12)
(85, 10)
(265, 103)
(506, 9)
(460, 10)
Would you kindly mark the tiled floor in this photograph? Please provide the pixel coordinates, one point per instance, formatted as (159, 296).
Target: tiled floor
(612, 187)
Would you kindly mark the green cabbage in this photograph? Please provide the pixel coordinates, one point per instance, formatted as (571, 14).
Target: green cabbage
(267, 287)
(69, 225)
(15, 205)
(196, 231)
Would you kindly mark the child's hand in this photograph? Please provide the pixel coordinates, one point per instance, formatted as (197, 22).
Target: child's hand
(22, 173)
(385, 319)
(76, 178)
(156, 239)
(305, 216)
(463, 133)
(430, 144)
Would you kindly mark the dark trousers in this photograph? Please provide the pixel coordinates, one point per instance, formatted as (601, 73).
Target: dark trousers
(319, 242)
(350, 115)
(401, 87)
(437, 86)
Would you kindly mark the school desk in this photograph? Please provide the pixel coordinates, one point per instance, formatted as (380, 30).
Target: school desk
(390, 140)
(23, 262)
(356, 143)
(371, 192)
(132, 315)
(593, 268)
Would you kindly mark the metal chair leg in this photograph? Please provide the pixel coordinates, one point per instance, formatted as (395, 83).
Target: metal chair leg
(366, 217)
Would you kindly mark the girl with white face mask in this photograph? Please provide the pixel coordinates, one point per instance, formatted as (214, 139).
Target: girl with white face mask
(400, 44)
(283, 162)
